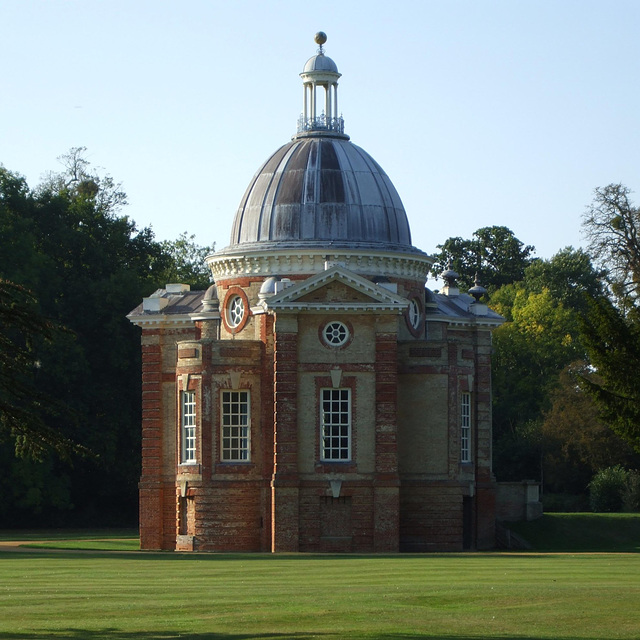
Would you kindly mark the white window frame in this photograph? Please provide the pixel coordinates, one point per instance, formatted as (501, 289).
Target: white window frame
(188, 425)
(235, 311)
(465, 427)
(415, 314)
(235, 425)
(335, 424)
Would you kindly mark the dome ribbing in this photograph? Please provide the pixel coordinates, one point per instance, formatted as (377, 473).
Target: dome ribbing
(321, 190)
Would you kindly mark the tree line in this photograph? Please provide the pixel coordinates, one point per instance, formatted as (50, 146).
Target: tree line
(566, 363)
(71, 267)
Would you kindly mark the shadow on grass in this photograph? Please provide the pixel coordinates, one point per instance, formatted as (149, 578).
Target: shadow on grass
(38, 553)
(115, 634)
(27, 552)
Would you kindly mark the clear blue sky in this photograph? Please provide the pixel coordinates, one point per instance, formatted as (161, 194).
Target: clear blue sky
(482, 112)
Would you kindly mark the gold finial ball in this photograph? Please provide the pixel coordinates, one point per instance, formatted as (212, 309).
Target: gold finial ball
(320, 38)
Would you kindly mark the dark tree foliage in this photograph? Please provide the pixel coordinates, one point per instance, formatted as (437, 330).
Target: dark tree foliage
(577, 443)
(24, 408)
(613, 344)
(494, 254)
(87, 266)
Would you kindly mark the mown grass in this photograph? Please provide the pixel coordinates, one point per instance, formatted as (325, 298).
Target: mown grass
(98, 540)
(58, 593)
(55, 535)
(145, 596)
(617, 532)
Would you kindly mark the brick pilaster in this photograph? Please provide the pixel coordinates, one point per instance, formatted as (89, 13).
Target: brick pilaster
(284, 484)
(386, 492)
(151, 490)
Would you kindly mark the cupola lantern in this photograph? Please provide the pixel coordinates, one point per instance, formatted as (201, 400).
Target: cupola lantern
(320, 110)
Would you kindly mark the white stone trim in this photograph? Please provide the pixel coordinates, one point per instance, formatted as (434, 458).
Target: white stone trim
(310, 261)
(161, 321)
(381, 298)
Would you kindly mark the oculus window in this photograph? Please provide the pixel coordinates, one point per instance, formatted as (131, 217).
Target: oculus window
(335, 334)
(414, 314)
(235, 311)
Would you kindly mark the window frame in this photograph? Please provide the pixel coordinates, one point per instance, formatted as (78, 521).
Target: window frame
(333, 327)
(415, 313)
(235, 311)
(188, 427)
(465, 427)
(243, 448)
(345, 428)
(226, 310)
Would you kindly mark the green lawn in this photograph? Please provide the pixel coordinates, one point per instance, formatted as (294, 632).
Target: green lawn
(151, 596)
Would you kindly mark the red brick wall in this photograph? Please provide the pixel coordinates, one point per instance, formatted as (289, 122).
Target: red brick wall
(430, 517)
(157, 487)
(336, 525)
(229, 515)
(151, 485)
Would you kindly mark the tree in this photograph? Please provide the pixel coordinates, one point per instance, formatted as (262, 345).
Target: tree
(541, 337)
(612, 341)
(494, 254)
(87, 267)
(529, 351)
(568, 276)
(612, 227)
(24, 408)
(610, 329)
(577, 443)
(187, 262)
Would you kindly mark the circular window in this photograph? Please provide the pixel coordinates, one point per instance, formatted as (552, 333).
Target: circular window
(235, 311)
(335, 333)
(414, 313)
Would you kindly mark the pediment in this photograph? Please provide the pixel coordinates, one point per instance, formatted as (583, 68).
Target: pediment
(336, 288)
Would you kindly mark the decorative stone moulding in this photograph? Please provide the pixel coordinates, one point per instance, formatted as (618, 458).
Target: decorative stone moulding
(283, 263)
(160, 321)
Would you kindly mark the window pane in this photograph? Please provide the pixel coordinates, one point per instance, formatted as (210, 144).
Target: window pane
(235, 425)
(188, 422)
(336, 424)
(465, 427)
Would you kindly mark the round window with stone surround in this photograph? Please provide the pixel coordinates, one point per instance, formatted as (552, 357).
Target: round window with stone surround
(235, 311)
(335, 334)
(414, 314)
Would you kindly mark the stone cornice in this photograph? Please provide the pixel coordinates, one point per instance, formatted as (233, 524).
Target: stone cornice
(456, 322)
(161, 321)
(291, 261)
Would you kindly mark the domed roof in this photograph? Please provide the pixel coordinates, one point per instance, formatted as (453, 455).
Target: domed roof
(319, 191)
(320, 63)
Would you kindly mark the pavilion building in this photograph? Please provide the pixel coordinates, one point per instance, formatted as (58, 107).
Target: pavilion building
(318, 397)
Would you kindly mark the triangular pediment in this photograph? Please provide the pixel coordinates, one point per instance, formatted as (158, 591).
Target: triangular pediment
(336, 288)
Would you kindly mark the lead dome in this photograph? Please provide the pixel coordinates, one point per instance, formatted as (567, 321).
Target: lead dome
(320, 189)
